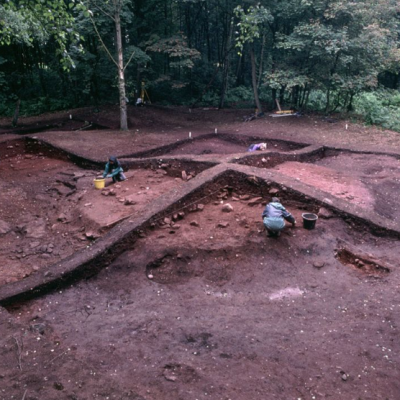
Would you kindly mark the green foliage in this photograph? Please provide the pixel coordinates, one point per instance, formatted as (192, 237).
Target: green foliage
(251, 24)
(26, 21)
(380, 108)
(240, 97)
(176, 48)
(314, 54)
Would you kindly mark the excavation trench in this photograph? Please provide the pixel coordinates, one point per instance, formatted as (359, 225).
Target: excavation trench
(182, 299)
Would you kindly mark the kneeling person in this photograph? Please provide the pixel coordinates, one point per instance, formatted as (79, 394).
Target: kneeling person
(114, 170)
(274, 215)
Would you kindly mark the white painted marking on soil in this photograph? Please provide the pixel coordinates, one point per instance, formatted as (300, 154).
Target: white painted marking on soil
(287, 292)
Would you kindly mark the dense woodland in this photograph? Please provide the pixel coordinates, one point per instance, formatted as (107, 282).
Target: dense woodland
(321, 55)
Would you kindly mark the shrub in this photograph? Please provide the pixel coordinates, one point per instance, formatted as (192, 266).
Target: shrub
(380, 108)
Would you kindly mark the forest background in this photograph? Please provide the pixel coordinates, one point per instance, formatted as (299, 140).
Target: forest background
(312, 55)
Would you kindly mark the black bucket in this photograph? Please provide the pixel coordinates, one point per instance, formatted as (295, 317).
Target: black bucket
(309, 220)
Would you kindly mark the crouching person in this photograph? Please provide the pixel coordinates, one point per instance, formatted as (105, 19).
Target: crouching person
(274, 216)
(114, 170)
(257, 146)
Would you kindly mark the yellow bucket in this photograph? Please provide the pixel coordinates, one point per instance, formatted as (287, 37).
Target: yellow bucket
(99, 183)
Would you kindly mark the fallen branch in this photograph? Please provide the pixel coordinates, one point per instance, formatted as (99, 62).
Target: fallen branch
(19, 351)
(55, 358)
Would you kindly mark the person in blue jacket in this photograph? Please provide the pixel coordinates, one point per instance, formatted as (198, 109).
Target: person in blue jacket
(274, 216)
(114, 170)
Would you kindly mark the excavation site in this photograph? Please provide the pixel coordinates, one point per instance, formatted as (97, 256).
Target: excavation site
(167, 285)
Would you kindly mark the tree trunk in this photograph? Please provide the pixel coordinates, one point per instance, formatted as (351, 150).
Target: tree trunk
(350, 104)
(16, 113)
(260, 69)
(226, 68)
(254, 79)
(121, 78)
(328, 100)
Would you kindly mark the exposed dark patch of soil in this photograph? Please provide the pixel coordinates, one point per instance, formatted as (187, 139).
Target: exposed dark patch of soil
(363, 263)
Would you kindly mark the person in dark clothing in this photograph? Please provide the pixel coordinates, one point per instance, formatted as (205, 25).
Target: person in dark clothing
(114, 170)
(274, 216)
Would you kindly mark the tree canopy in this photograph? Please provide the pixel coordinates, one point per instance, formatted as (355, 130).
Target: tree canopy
(56, 54)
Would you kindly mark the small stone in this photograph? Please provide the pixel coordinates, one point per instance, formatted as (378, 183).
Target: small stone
(181, 215)
(175, 217)
(244, 197)
(167, 220)
(344, 377)
(319, 264)
(194, 223)
(184, 176)
(4, 227)
(62, 217)
(227, 208)
(91, 235)
(200, 207)
(176, 226)
(324, 213)
(273, 191)
(255, 201)
(150, 276)
(88, 204)
(223, 225)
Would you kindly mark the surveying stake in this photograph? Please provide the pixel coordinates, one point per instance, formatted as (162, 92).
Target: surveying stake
(144, 94)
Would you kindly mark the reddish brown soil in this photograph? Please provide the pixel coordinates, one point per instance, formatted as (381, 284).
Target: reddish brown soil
(228, 312)
(155, 126)
(50, 209)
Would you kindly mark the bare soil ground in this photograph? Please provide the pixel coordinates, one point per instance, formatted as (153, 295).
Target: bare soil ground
(204, 305)
(50, 209)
